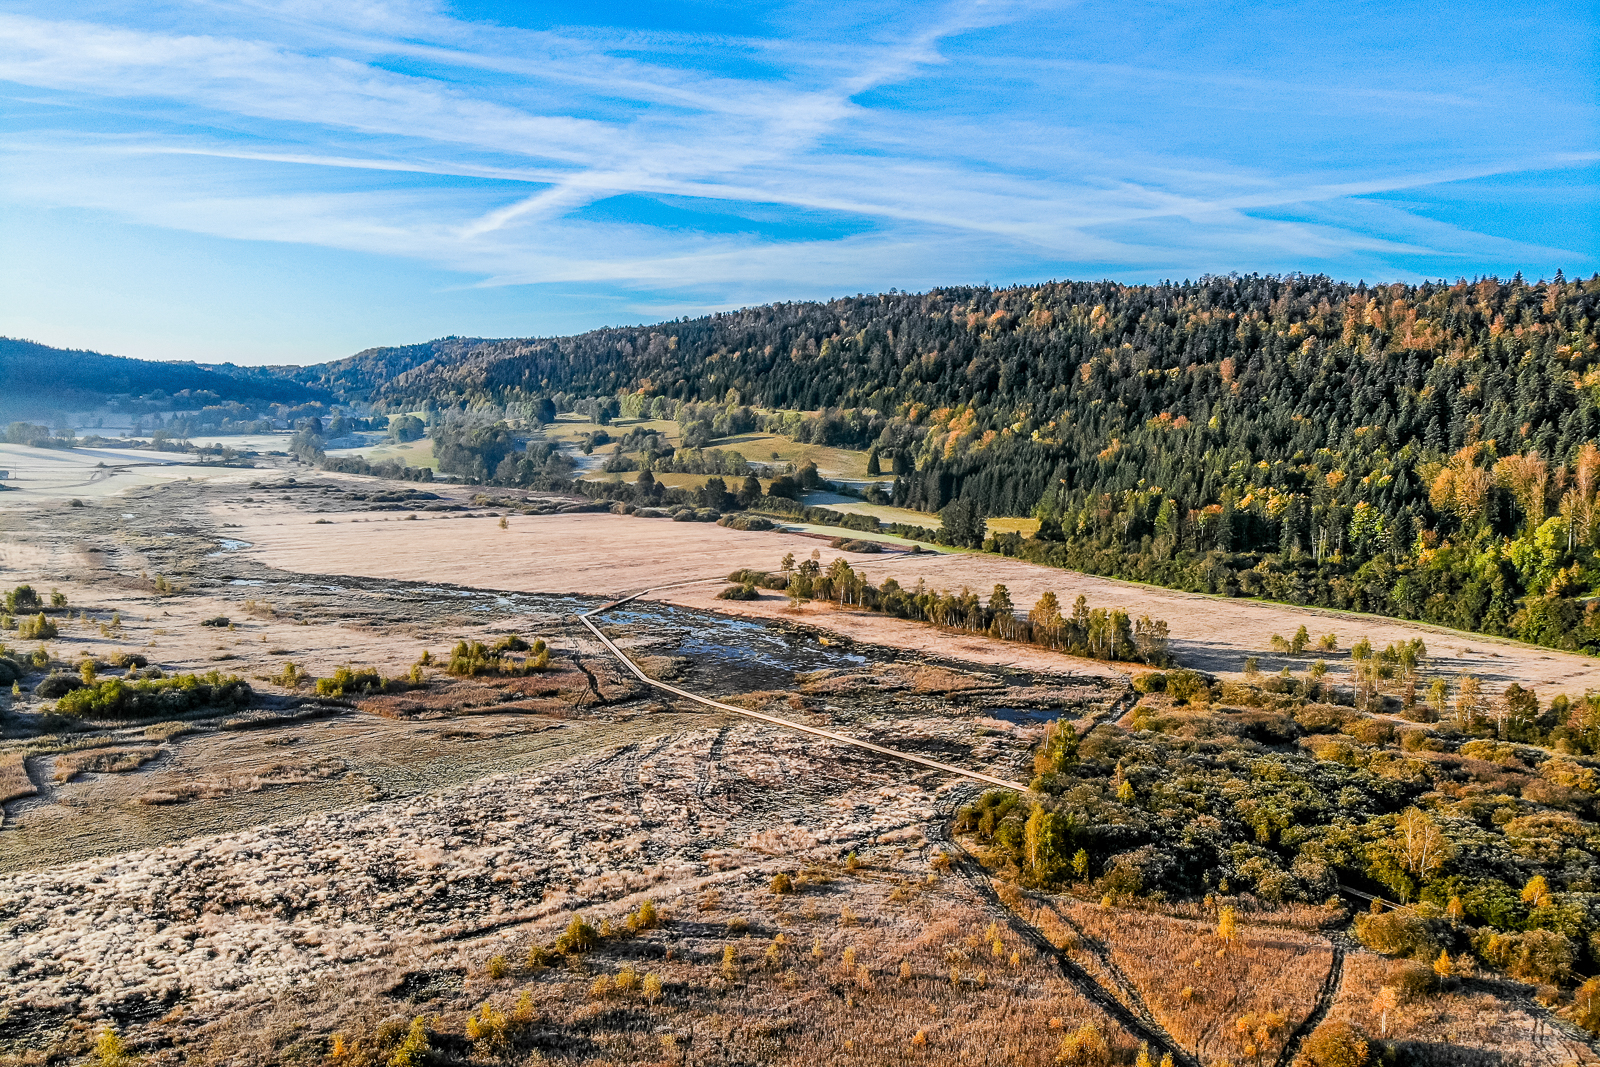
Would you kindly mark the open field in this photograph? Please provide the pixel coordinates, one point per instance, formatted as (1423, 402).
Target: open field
(417, 453)
(240, 885)
(891, 514)
(881, 512)
(612, 554)
(834, 463)
(245, 851)
(48, 474)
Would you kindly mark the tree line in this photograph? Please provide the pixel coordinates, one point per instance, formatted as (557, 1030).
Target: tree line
(1084, 631)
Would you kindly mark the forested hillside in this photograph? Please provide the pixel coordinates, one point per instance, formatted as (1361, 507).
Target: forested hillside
(32, 375)
(1413, 450)
(357, 377)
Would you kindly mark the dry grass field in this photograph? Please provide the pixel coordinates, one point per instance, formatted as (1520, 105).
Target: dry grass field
(417, 453)
(310, 877)
(1199, 988)
(1480, 1021)
(600, 553)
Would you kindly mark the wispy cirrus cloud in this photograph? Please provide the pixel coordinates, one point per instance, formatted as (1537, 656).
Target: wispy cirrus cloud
(792, 154)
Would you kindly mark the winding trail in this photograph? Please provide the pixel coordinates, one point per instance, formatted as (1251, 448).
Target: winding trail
(1325, 998)
(774, 720)
(1136, 1020)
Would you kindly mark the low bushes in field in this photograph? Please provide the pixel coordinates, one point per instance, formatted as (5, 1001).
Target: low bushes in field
(759, 579)
(471, 659)
(37, 628)
(115, 698)
(353, 681)
(746, 522)
(57, 685)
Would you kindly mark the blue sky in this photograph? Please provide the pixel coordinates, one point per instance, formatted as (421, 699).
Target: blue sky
(293, 180)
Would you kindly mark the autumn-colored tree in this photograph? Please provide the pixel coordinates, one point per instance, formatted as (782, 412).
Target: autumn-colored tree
(1046, 621)
(1579, 506)
(1586, 1005)
(1469, 701)
(110, 1050)
(1335, 1044)
(1084, 1048)
(1228, 926)
(1527, 477)
(1423, 846)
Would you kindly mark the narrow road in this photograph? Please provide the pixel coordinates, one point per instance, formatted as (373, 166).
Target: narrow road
(787, 724)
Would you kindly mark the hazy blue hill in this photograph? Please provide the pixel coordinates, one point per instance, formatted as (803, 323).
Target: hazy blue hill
(33, 374)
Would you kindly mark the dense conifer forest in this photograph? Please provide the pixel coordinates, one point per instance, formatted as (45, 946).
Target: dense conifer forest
(1423, 451)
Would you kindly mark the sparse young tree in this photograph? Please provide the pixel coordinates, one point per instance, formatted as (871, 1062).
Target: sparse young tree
(110, 1050)
(1228, 926)
(1424, 847)
(1046, 621)
(1469, 701)
(1300, 641)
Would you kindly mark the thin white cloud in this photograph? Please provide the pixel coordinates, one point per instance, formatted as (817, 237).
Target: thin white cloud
(405, 90)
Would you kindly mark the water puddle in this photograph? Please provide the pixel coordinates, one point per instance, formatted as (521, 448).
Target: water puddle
(1024, 716)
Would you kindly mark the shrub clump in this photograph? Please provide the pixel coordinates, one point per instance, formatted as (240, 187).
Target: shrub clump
(469, 659)
(115, 698)
(745, 591)
(348, 682)
(579, 937)
(1397, 933)
(23, 599)
(746, 522)
(1336, 1044)
(36, 628)
(58, 685)
(12, 667)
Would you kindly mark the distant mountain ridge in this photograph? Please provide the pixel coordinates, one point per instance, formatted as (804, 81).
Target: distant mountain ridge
(32, 374)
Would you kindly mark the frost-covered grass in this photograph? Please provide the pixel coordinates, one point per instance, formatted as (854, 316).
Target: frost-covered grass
(223, 924)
